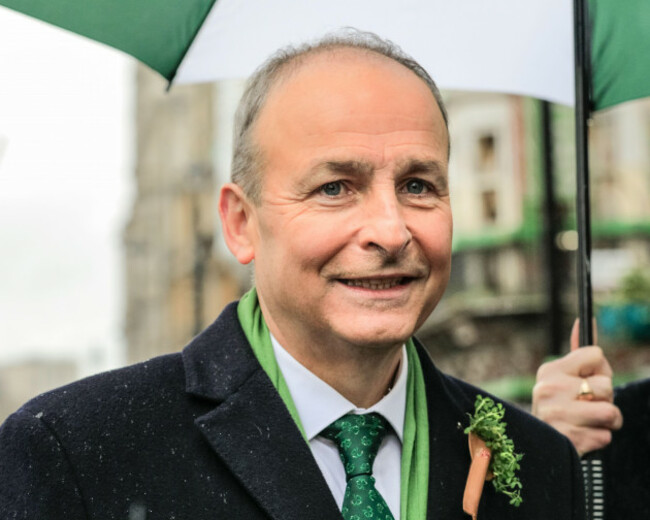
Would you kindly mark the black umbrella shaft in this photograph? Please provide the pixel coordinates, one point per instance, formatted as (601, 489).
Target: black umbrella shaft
(582, 112)
(592, 466)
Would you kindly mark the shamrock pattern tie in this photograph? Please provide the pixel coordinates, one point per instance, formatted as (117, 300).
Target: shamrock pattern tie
(358, 438)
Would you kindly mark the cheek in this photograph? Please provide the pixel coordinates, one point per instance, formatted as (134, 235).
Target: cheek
(435, 241)
(316, 240)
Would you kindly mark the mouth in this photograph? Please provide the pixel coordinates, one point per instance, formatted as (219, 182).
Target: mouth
(377, 284)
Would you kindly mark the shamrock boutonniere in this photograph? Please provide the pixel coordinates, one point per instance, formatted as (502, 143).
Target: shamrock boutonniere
(493, 456)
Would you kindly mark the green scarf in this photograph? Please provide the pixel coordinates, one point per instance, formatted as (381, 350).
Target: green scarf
(415, 449)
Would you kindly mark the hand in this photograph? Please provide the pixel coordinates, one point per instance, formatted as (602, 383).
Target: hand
(587, 423)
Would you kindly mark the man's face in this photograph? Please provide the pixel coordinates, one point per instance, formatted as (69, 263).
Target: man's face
(352, 237)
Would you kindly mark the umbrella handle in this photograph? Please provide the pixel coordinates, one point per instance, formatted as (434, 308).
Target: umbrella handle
(593, 474)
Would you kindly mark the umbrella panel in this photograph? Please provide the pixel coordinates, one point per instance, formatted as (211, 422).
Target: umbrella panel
(158, 34)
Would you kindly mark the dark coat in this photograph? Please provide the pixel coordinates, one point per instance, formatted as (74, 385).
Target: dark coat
(204, 435)
(627, 458)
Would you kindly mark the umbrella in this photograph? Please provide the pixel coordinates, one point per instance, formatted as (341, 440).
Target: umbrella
(501, 45)
(607, 75)
(610, 68)
(468, 44)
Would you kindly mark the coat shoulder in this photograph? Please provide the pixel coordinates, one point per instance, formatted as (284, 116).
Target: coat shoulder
(131, 387)
(50, 447)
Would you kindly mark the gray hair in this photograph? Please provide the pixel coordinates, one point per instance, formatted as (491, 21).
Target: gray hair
(247, 161)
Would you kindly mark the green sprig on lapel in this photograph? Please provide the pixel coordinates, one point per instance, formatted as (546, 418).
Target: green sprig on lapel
(487, 423)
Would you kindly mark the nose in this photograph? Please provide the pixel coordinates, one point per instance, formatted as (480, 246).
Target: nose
(383, 226)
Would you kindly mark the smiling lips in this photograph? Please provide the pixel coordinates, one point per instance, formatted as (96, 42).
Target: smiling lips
(376, 284)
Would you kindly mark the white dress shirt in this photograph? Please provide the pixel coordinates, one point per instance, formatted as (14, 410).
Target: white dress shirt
(318, 405)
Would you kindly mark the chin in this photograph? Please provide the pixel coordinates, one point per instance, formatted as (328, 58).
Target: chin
(379, 335)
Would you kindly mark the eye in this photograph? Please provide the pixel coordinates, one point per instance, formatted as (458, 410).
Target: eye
(331, 189)
(415, 186)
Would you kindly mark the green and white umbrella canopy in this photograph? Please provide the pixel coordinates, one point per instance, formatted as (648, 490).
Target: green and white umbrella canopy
(500, 45)
(157, 32)
(522, 47)
(620, 51)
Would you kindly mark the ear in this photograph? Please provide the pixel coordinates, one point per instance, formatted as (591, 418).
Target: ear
(237, 222)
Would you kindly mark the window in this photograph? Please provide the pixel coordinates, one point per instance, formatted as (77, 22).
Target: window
(486, 153)
(489, 206)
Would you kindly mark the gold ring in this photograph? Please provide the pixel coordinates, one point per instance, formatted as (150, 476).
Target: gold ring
(586, 393)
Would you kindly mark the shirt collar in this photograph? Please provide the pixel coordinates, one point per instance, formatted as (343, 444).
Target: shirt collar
(319, 405)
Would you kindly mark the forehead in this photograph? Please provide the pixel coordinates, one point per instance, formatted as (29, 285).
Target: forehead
(346, 100)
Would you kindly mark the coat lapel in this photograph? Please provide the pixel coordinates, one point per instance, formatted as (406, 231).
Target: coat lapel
(250, 429)
(449, 457)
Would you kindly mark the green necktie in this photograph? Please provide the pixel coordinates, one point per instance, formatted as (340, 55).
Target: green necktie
(358, 438)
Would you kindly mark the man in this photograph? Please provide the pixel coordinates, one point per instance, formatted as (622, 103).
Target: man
(340, 196)
(574, 394)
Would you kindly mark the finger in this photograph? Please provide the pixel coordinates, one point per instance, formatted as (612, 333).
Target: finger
(597, 414)
(563, 388)
(566, 365)
(587, 439)
(601, 386)
(593, 388)
(587, 361)
(594, 363)
(582, 414)
(575, 335)
(583, 362)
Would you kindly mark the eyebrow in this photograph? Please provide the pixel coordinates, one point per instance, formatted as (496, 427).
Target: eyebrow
(411, 166)
(405, 167)
(349, 167)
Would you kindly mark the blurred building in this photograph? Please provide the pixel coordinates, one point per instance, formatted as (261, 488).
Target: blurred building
(20, 381)
(620, 158)
(176, 282)
(491, 321)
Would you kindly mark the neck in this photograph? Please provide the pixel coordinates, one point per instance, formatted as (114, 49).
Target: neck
(364, 382)
(363, 375)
